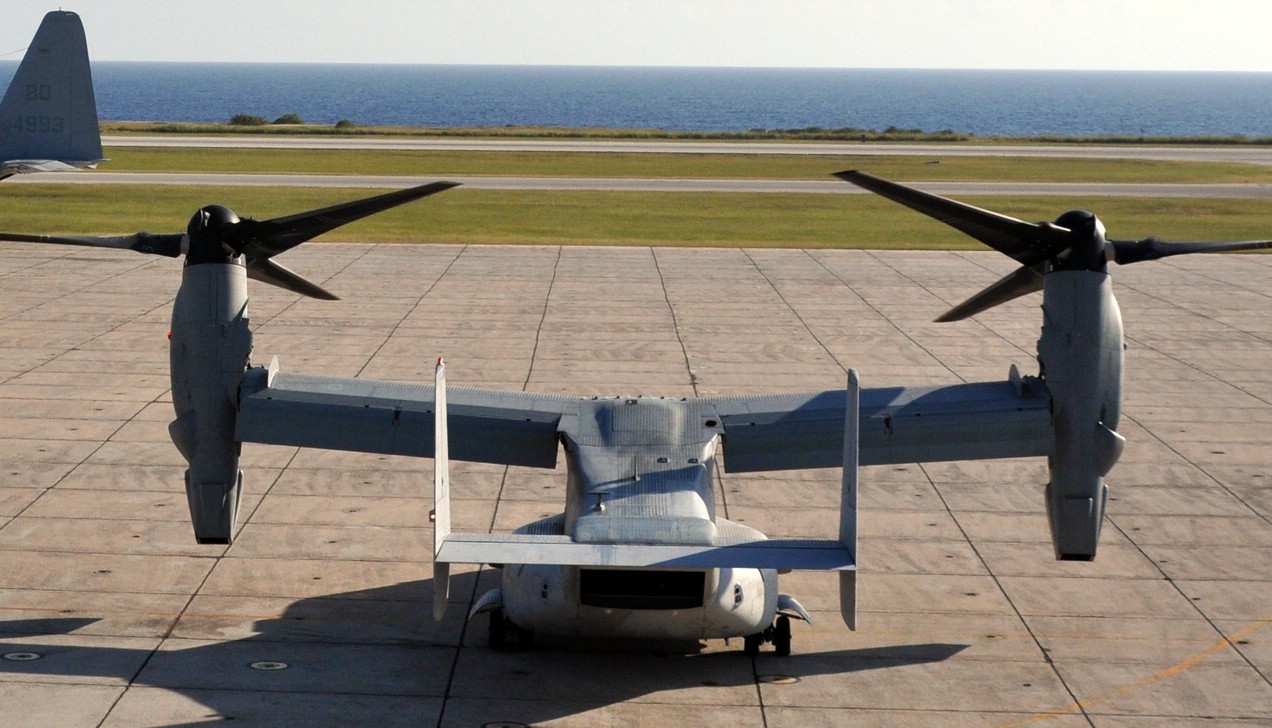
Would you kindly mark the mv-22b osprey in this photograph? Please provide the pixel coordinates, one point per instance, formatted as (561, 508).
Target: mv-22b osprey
(639, 550)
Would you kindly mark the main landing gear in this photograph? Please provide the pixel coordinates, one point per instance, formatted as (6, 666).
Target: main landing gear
(779, 634)
(501, 629)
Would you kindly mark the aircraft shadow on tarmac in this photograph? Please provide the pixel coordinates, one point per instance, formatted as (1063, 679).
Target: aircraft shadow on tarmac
(378, 652)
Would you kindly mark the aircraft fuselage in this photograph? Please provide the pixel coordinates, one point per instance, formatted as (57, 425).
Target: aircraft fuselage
(641, 471)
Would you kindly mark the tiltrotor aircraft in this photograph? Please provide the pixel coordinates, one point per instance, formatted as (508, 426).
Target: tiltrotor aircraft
(48, 118)
(639, 550)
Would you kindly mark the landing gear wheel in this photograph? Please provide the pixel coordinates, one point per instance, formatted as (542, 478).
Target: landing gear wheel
(498, 631)
(525, 638)
(751, 644)
(782, 636)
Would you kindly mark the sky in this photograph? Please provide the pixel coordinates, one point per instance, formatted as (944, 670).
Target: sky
(1216, 35)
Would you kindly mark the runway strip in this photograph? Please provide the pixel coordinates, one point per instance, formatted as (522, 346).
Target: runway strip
(1208, 153)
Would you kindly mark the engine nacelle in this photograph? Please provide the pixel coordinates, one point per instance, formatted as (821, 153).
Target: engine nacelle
(1081, 352)
(210, 345)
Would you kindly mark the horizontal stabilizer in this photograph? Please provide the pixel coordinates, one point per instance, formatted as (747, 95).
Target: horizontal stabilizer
(15, 166)
(494, 548)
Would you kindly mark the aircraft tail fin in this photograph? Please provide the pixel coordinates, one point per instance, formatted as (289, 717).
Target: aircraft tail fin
(441, 494)
(48, 117)
(848, 499)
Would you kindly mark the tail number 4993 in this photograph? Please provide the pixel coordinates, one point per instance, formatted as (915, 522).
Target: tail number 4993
(33, 124)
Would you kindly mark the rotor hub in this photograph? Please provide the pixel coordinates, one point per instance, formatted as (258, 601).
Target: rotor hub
(210, 231)
(1087, 243)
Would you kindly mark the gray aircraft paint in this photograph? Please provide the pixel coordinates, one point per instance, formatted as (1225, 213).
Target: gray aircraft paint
(48, 118)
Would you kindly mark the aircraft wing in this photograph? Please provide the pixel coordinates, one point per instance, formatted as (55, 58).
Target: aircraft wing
(974, 421)
(396, 418)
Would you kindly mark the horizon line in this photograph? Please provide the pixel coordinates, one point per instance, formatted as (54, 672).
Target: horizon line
(16, 61)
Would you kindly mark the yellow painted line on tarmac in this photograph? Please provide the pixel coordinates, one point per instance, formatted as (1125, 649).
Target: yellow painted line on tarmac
(1179, 667)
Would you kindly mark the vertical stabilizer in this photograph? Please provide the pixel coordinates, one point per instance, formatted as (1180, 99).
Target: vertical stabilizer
(48, 118)
(441, 494)
(848, 500)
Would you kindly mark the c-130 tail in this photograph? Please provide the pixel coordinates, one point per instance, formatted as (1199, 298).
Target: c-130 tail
(48, 118)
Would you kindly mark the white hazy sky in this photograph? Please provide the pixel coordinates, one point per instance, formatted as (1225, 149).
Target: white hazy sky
(1224, 35)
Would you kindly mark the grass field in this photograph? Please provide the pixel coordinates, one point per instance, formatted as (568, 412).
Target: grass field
(613, 218)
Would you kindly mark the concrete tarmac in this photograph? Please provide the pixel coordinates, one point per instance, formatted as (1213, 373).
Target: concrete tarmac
(319, 613)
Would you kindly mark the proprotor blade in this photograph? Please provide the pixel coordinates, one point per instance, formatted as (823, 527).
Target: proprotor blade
(217, 235)
(267, 238)
(275, 274)
(267, 271)
(1026, 242)
(170, 244)
(1125, 252)
(1022, 281)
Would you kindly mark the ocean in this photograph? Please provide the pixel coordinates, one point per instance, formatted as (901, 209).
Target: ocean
(979, 102)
